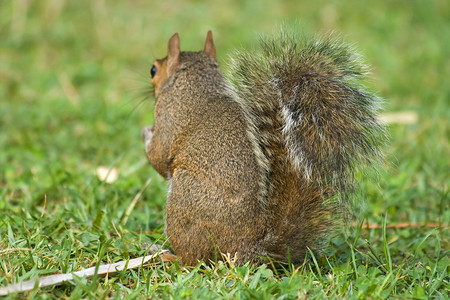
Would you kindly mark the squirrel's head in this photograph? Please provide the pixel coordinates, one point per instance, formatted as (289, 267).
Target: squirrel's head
(164, 68)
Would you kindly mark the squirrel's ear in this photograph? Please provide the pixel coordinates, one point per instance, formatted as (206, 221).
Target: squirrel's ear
(173, 52)
(210, 49)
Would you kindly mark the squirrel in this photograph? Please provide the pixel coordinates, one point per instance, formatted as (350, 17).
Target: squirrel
(260, 164)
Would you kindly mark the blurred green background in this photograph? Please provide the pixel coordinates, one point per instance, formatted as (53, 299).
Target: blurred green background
(74, 94)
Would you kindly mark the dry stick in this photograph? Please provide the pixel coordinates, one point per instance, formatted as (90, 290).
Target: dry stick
(133, 203)
(45, 204)
(108, 269)
(401, 225)
(58, 279)
(403, 117)
(14, 250)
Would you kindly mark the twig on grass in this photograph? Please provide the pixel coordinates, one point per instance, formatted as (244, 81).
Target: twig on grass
(403, 117)
(45, 204)
(103, 270)
(401, 225)
(14, 250)
(127, 213)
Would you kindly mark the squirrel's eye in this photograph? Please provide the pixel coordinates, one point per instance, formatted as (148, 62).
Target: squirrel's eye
(153, 71)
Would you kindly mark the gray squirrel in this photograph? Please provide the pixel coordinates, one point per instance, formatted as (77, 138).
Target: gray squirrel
(259, 165)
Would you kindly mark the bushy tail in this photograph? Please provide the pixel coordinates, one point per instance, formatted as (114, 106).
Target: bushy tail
(323, 115)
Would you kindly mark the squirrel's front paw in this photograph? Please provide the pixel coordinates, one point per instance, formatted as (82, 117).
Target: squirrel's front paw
(147, 135)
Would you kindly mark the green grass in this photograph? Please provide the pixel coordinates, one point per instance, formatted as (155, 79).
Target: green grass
(73, 80)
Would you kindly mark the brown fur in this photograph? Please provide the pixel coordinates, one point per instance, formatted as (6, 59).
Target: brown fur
(233, 186)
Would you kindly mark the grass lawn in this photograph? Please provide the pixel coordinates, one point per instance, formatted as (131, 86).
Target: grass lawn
(74, 95)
